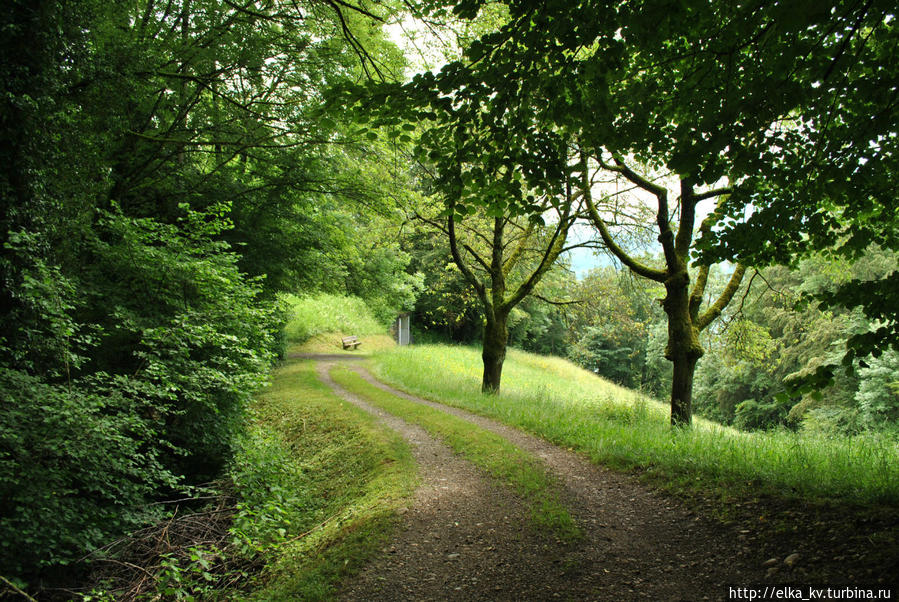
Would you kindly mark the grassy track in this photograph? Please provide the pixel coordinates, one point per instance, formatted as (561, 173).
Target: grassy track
(615, 426)
(500, 458)
(325, 474)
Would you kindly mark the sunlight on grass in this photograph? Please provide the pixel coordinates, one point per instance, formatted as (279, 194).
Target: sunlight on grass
(330, 342)
(572, 407)
(323, 313)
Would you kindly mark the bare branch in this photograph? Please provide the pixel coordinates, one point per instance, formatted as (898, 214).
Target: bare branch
(477, 257)
(632, 176)
(698, 291)
(602, 227)
(560, 303)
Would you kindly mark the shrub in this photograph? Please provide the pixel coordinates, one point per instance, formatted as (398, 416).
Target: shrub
(149, 359)
(75, 465)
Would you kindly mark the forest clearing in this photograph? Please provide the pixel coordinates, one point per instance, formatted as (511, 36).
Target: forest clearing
(287, 285)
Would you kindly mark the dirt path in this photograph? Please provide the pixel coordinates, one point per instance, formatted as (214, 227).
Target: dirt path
(637, 543)
(467, 539)
(464, 537)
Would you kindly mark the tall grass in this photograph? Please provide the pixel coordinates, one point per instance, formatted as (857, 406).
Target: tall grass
(572, 407)
(321, 313)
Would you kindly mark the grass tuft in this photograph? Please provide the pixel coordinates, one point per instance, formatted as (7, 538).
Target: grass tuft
(615, 426)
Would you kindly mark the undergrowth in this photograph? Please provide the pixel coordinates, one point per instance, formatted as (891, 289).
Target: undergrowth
(615, 426)
(313, 493)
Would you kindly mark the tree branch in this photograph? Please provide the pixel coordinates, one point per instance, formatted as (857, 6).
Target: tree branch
(466, 272)
(477, 257)
(702, 279)
(551, 302)
(708, 194)
(601, 226)
(726, 295)
(684, 237)
(519, 250)
(632, 176)
(553, 249)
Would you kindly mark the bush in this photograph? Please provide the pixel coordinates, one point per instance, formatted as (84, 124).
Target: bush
(598, 352)
(833, 420)
(189, 326)
(878, 391)
(148, 362)
(75, 466)
(750, 415)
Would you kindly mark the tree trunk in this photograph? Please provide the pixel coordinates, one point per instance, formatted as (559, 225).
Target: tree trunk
(496, 335)
(683, 349)
(682, 390)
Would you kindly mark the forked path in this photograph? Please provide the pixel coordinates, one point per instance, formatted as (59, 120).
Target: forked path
(467, 538)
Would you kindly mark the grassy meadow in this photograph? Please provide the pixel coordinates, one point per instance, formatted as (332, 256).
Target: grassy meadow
(615, 426)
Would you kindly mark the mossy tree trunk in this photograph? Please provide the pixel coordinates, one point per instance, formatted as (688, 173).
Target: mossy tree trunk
(496, 336)
(681, 304)
(683, 349)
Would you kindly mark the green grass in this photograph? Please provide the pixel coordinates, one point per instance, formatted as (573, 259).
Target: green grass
(324, 313)
(329, 476)
(494, 454)
(615, 426)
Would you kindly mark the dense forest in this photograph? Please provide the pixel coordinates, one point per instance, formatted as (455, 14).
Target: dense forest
(173, 173)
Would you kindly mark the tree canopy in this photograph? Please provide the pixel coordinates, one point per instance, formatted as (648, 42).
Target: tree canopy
(733, 100)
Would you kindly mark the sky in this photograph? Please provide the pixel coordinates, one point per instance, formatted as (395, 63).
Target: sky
(584, 260)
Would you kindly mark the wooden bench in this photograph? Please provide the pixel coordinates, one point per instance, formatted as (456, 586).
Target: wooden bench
(351, 342)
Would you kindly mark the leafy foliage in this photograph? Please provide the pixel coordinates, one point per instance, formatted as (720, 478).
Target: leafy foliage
(878, 392)
(165, 171)
(90, 461)
(124, 423)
